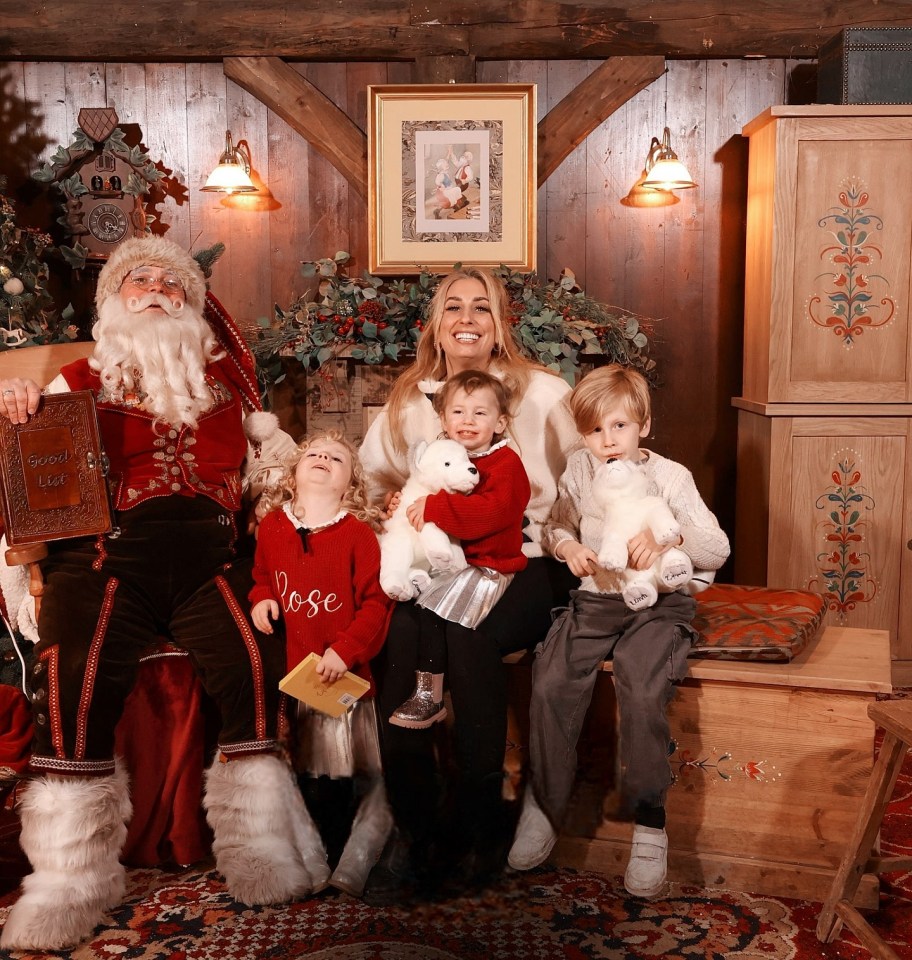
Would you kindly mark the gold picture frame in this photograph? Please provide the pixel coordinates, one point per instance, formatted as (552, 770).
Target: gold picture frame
(452, 176)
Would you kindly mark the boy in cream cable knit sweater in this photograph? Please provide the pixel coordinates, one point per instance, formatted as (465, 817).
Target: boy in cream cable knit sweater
(648, 647)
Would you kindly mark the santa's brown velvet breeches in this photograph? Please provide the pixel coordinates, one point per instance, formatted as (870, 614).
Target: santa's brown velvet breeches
(170, 574)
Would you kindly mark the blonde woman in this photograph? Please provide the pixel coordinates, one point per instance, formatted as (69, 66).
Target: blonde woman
(468, 328)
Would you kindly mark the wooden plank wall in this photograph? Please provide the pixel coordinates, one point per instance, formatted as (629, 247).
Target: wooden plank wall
(683, 264)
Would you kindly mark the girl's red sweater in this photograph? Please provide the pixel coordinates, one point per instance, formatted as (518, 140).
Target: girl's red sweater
(330, 595)
(489, 520)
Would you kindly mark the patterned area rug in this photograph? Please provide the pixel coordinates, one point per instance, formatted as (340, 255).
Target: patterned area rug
(546, 914)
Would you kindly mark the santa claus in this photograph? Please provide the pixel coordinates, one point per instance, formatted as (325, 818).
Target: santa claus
(179, 417)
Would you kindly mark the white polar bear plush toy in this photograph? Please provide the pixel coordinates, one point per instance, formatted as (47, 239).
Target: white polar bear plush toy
(619, 489)
(407, 556)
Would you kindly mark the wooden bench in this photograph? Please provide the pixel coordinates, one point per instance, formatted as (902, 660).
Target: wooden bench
(771, 762)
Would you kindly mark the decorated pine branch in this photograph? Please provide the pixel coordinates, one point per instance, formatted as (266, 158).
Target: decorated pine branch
(376, 320)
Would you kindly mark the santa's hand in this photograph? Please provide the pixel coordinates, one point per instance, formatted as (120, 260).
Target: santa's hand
(263, 613)
(19, 399)
(331, 667)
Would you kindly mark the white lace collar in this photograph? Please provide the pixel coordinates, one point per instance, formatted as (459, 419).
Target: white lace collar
(300, 525)
(491, 449)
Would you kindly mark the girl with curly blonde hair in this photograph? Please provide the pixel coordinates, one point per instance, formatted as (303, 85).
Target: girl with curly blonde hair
(355, 497)
(317, 570)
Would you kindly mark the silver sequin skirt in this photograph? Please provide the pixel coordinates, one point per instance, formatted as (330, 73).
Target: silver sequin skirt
(465, 597)
(344, 746)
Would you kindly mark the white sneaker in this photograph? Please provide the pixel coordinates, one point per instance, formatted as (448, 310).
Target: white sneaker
(645, 874)
(535, 837)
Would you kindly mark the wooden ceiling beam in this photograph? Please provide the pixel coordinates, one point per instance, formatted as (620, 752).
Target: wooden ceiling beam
(397, 30)
(608, 87)
(308, 111)
(444, 70)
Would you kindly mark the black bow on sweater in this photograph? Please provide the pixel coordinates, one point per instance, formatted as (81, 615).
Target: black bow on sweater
(302, 533)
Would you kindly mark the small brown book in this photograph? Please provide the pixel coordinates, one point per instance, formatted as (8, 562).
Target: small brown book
(304, 683)
(52, 472)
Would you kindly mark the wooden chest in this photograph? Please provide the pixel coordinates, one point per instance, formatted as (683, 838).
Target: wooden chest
(771, 762)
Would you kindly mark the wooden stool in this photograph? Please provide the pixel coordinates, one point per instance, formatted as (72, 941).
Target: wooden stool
(895, 717)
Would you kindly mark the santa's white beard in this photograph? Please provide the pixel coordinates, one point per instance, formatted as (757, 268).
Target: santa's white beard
(161, 357)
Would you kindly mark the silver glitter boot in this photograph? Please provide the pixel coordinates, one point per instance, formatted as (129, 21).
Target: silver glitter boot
(425, 706)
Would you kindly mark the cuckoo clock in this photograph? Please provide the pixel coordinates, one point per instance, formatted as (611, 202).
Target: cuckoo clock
(104, 183)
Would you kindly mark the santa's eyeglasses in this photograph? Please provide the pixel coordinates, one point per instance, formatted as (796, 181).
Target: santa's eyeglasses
(144, 282)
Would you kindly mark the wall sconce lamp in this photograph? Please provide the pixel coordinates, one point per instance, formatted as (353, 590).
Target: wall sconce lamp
(642, 196)
(232, 174)
(662, 173)
(664, 170)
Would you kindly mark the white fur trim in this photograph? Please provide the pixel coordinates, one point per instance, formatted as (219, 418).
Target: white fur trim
(13, 584)
(72, 831)
(259, 426)
(248, 805)
(152, 251)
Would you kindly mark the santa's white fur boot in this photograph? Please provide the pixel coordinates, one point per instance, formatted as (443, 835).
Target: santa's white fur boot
(250, 805)
(73, 829)
(369, 833)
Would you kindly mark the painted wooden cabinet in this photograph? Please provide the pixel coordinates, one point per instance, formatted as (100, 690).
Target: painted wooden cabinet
(825, 419)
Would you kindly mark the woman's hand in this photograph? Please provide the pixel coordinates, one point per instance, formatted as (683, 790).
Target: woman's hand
(581, 560)
(415, 513)
(390, 504)
(644, 550)
(18, 399)
(263, 613)
(332, 667)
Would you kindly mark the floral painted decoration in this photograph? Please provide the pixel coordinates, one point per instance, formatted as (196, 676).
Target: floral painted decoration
(375, 320)
(853, 305)
(844, 577)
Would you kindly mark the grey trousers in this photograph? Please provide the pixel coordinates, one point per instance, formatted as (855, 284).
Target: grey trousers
(649, 652)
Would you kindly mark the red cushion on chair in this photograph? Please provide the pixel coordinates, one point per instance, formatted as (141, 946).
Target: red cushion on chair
(15, 740)
(15, 732)
(161, 739)
(755, 623)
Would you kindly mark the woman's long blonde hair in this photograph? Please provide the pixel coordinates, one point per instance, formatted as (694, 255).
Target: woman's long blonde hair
(430, 360)
(354, 500)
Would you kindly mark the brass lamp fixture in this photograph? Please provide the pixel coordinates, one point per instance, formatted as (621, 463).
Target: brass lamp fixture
(664, 170)
(232, 174)
(643, 196)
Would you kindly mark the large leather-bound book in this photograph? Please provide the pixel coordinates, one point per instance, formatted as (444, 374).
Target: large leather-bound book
(52, 471)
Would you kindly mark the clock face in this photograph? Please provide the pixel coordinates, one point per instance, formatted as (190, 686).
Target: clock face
(107, 223)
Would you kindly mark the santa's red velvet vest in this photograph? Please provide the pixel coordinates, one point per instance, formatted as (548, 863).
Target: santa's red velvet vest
(158, 460)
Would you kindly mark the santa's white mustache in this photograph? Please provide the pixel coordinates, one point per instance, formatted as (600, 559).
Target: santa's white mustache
(138, 304)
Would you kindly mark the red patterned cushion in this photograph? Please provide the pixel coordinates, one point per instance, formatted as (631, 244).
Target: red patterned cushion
(755, 623)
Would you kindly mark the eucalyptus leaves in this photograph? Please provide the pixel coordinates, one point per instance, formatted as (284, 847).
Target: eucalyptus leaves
(375, 320)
